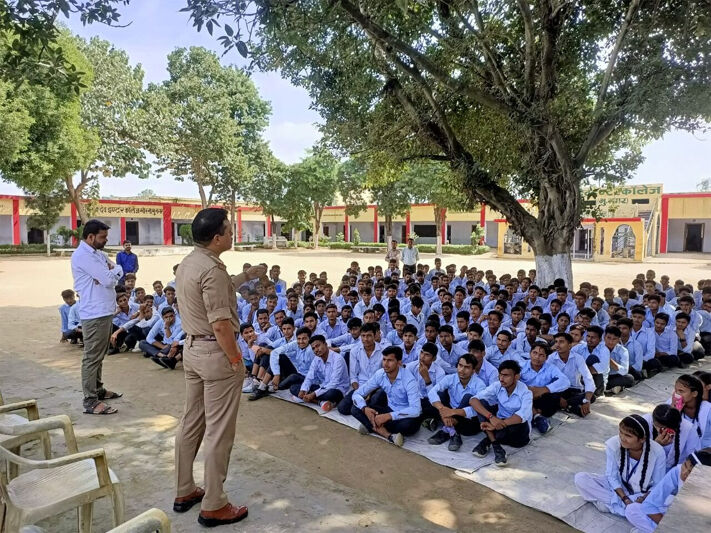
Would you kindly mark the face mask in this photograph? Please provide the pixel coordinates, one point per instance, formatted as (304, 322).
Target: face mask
(677, 401)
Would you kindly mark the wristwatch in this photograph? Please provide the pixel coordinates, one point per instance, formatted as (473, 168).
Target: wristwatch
(585, 400)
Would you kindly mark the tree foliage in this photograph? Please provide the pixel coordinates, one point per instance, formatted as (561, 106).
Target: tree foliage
(526, 98)
(206, 118)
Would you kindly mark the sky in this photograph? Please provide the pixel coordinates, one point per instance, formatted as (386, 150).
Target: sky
(679, 160)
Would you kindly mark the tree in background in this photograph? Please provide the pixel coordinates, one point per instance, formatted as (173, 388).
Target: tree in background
(525, 99)
(352, 186)
(47, 207)
(111, 109)
(704, 185)
(391, 193)
(204, 116)
(15, 122)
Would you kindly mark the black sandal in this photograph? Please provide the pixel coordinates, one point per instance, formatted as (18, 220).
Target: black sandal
(105, 410)
(109, 395)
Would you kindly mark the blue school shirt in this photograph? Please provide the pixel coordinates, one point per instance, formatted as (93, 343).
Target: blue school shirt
(73, 320)
(647, 340)
(495, 357)
(176, 332)
(301, 358)
(403, 393)
(334, 331)
(621, 356)
(448, 358)
(636, 355)
(548, 376)
(64, 315)
(519, 402)
(332, 374)
(436, 374)
(122, 318)
(129, 262)
(603, 354)
(662, 495)
(453, 385)
(702, 424)
(488, 373)
(576, 370)
(666, 342)
(363, 367)
(689, 441)
(158, 300)
(632, 474)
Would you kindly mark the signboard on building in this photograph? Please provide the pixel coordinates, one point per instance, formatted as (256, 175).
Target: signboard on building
(128, 211)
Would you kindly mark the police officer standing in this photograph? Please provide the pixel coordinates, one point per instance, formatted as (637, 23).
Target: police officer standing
(214, 370)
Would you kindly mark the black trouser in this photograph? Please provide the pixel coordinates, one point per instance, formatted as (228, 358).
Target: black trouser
(698, 350)
(73, 335)
(597, 378)
(705, 340)
(547, 404)
(427, 410)
(408, 268)
(379, 402)
(652, 366)
(619, 380)
(346, 404)
(331, 395)
(131, 337)
(288, 375)
(515, 435)
(464, 425)
(636, 374)
(575, 398)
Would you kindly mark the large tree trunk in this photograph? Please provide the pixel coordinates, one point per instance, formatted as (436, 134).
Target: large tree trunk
(388, 230)
(46, 237)
(272, 227)
(318, 213)
(438, 212)
(203, 196)
(74, 193)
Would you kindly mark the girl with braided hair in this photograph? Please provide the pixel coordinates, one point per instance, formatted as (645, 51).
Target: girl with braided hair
(635, 464)
(688, 398)
(645, 516)
(674, 433)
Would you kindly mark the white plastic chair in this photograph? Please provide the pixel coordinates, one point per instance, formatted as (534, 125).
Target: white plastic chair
(9, 418)
(53, 486)
(146, 522)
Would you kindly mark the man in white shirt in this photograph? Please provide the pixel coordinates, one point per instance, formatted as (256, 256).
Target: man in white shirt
(410, 257)
(95, 277)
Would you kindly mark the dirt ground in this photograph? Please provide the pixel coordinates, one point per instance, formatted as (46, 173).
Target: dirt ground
(295, 470)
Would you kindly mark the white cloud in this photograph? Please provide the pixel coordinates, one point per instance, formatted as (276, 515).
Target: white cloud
(290, 140)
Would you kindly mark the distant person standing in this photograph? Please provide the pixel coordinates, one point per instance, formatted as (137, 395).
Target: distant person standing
(95, 277)
(410, 257)
(214, 369)
(393, 254)
(127, 259)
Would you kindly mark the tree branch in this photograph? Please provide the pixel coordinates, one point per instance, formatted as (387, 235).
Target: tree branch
(433, 157)
(529, 57)
(598, 133)
(624, 29)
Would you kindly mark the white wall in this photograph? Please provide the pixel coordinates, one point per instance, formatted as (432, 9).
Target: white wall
(365, 229)
(150, 230)
(5, 229)
(252, 231)
(675, 236)
(462, 231)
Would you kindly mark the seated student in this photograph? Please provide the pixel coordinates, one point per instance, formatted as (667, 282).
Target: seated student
(705, 378)
(686, 336)
(74, 331)
(581, 394)
(491, 327)
(394, 412)
(483, 369)
(462, 321)
(129, 283)
(634, 348)
(327, 378)
(666, 342)
(410, 347)
(502, 350)
(450, 397)
(474, 332)
(158, 294)
(163, 339)
(645, 516)
(705, 329)
(619, 377)
(562, 323)
(124, 326)
(597, 357)
(69, 301)
(265, 330)
(288, 364)
(333, 326)
(673, 433)
(416, 315)
(688, 398)
(366, 357)
(635, 465)
(394, 336)
(525, 340)
(515, 324)
(427, 374)
(449, 352)
(504, 410)
(170, 300)
(545, 381)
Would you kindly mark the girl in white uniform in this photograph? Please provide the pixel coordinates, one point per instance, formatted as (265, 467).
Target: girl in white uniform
(674, 433)
(646, 516)
(688, 398)
(635, 464)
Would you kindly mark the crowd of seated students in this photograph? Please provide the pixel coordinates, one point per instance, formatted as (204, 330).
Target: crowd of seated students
(464, 353)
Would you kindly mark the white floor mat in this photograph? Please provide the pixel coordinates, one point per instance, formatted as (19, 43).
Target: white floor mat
(540, 475)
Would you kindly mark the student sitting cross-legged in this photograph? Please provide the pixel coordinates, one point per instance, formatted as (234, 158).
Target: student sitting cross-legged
(427, 374)
(393, 412)
(327, 379)
(635, 465)
(505, 410)
(162, 343)
(581, 394)
(450, 397)
(545, 381)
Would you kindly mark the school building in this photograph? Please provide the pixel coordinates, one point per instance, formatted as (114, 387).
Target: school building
(632, 222)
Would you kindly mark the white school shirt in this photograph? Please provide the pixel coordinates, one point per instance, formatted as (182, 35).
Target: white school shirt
(94, 282)
(688, 442)
(435, 372)
(632, 475)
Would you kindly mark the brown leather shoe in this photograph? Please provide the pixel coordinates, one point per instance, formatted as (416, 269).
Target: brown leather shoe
(184, 504)
(229, 514)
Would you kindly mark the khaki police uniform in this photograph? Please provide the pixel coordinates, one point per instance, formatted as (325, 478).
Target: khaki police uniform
(206, 294)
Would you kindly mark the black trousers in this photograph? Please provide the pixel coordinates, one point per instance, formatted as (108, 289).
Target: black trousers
(406, 426)
(548, 403)
(619, 380)
(331, 395)
(131, 337)
(515, 435)
(652, 366)
(575, 398)
(705, 341)
(464, 425)
(73, 335)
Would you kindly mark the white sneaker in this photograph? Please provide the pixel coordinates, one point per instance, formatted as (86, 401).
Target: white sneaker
(363, 430)
(136, 350)
(271, 388)
(397, 439)
(248, 385)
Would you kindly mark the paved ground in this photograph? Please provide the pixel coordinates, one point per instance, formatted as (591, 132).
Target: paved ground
(295, 470)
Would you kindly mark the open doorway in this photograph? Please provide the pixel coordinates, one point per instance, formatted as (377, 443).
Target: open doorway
(132, 231)
(693, 237)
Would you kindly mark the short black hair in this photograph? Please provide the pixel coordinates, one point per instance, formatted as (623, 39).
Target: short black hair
(303, 331)
(510, 364)
(317, 338)
(354, 322)
(166, 310)
(476, 346)
(395, 350)
(208, 223)
(93, 227)
(567, 336)
(430, 348)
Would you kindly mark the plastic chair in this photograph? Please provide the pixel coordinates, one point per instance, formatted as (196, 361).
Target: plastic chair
(146, 522)
(9, 417)
(53, 486)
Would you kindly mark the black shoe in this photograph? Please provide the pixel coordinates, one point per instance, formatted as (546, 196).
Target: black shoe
(455, 442)
(499, 454)
(430, 423)
(438, 438)
(113, 351)
(158, 360)
(169, 362)
(482, 449)
(258, 394)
